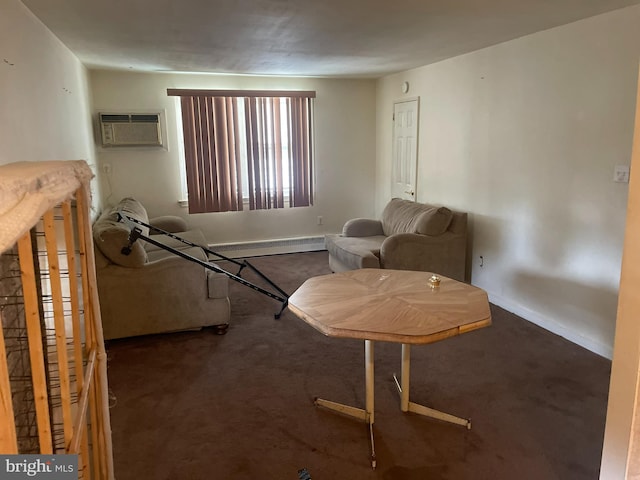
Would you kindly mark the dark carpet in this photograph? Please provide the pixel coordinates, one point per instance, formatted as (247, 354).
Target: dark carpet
(196, 405)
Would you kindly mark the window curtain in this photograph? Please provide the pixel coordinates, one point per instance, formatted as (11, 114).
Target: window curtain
(215, 149)
(301, 152)
(212, 154)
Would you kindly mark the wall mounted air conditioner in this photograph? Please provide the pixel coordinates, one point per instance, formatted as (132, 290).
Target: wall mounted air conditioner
(130, 129)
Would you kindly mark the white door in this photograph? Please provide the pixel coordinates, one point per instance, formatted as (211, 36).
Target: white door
(405, 149)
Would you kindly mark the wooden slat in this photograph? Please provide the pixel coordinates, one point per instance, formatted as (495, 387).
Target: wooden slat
(101, 402)
(55, 281)
(97, 432)
(90, 343)
(86, 300)
(80, 420)
(80, 423)
(8, 440)
(36, 352)
(84, 467)
(74, 287)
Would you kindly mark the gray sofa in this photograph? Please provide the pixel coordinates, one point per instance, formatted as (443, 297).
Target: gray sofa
(409, 236)
(152, 290)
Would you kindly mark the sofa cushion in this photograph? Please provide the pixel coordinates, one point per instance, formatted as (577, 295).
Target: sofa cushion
(362, 227)
(355, 252)
(110, 235)
(433, 221)
(405, 216)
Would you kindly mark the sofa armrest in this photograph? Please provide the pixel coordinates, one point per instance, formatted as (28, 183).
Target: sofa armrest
(168, 223)
(362, 227)
(443, 254)
(218, 284)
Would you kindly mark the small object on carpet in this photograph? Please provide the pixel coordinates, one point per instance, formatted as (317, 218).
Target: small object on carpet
(220, 329)
(303, 474)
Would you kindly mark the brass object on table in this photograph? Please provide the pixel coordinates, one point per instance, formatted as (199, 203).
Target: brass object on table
(434, 281)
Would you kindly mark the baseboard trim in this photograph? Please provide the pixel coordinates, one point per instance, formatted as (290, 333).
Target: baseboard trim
(269, 247)
(553, 326)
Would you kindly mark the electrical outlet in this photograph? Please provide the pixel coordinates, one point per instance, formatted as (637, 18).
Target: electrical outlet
(319, 219)
(481, 261)
(621, 174)
(106, 168)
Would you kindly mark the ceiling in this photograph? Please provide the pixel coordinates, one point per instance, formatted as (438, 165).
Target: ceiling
(352, 38)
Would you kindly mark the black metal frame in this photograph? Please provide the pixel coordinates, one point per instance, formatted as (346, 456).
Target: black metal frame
(136, 233)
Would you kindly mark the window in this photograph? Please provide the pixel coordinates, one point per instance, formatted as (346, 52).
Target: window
(247, 145)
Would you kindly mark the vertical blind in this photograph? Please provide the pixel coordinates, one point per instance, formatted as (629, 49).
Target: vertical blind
(247, 144)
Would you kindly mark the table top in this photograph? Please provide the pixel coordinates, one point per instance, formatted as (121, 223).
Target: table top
(390, 305)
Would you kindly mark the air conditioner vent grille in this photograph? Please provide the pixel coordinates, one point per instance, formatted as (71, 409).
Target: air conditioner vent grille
(115, 118)
(130, 129)
(145, 118)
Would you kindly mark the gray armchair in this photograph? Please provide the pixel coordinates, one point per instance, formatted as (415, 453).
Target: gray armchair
(409, 236)
(152, 290)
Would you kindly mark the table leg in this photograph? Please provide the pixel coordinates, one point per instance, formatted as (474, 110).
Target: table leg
(365, 415)
(408, 406)
(369, 394)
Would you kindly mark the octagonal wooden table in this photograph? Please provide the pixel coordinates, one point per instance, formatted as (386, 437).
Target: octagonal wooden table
(391, 306)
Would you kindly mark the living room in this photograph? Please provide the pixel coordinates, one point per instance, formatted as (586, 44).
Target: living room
(523, 135)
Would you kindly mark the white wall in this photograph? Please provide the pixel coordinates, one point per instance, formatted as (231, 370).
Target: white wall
(344, 153)
(525, 136)
(44, 97)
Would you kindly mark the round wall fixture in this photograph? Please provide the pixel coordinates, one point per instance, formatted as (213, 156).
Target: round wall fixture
(405, 87)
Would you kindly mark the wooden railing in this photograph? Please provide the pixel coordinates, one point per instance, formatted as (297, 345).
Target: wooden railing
(66, 355)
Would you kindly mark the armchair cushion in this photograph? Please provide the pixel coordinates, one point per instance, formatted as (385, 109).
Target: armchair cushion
(193, 236)
(168, 223)
(110, 235)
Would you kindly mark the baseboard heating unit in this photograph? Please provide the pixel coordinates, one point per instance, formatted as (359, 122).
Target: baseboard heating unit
(270, 247)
